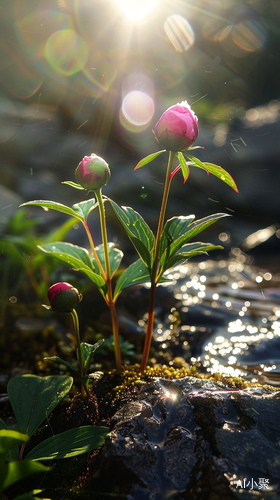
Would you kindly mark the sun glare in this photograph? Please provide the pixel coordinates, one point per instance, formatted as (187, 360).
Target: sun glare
(136, 9)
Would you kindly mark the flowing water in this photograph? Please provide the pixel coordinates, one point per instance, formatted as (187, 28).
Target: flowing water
(226, 319)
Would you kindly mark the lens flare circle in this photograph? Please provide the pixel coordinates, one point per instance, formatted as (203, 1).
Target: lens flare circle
(137, 109)
(249, 35)
(179, 32)
(66, 52)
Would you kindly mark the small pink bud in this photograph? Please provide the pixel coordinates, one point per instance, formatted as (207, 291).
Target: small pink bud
(63, 297)
(177, 127)
(92, 173)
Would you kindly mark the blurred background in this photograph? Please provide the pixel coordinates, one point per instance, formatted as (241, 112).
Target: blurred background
(84, 76)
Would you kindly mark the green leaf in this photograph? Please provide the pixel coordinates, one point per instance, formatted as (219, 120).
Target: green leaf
(188, 251)
(115, 257)
(76, 257)
(174, 238)
(30, 496)
(184, 166)
(60, 361)
(33, 398)
(74, 185)
(85, 207)
(10, 439)
(219, 172)
(69, 443)
(88, 351)
(137, 230)
(14, 471)
(148, 159)
(52, 205)
(135, 274)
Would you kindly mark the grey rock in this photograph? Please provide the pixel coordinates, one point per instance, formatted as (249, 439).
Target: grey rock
(195, 439)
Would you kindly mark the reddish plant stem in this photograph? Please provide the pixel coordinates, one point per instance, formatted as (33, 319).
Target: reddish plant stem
(154, 275)
(93, 250)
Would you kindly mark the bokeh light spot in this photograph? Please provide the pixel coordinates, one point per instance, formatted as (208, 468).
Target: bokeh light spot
(66, 52)
(216, 30)
(179, 32)
(249, 35)
(137, 110)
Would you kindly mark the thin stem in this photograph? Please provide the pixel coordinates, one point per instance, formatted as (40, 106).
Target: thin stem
(75, 319)
(21, 450)
(154, 277)
(110, 299)
(104, 234)
(93, 249)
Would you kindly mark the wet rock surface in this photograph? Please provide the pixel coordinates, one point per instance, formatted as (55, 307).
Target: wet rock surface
(193, 438)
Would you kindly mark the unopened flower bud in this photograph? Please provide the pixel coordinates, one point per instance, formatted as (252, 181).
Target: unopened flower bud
(63, 297)
(177, 127)
(92, 173)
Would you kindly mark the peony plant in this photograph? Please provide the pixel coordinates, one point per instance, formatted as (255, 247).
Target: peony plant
(64, 298)
(176, 131)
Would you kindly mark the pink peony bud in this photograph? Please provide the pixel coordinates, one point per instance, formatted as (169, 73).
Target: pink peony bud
(177, 127)
(63, 297)
(92, 173)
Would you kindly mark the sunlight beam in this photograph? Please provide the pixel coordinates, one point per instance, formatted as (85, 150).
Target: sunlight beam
(136, 9)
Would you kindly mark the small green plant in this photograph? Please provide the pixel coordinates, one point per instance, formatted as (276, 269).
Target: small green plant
(33, 399)
(23, 261)
(63, 298)
(176, 131)
(12, 470)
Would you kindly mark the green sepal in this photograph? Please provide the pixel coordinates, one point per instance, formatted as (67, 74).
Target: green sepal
(74, 185)
(148, 159)
(69, 444)
(216, 170)
(184, 166)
